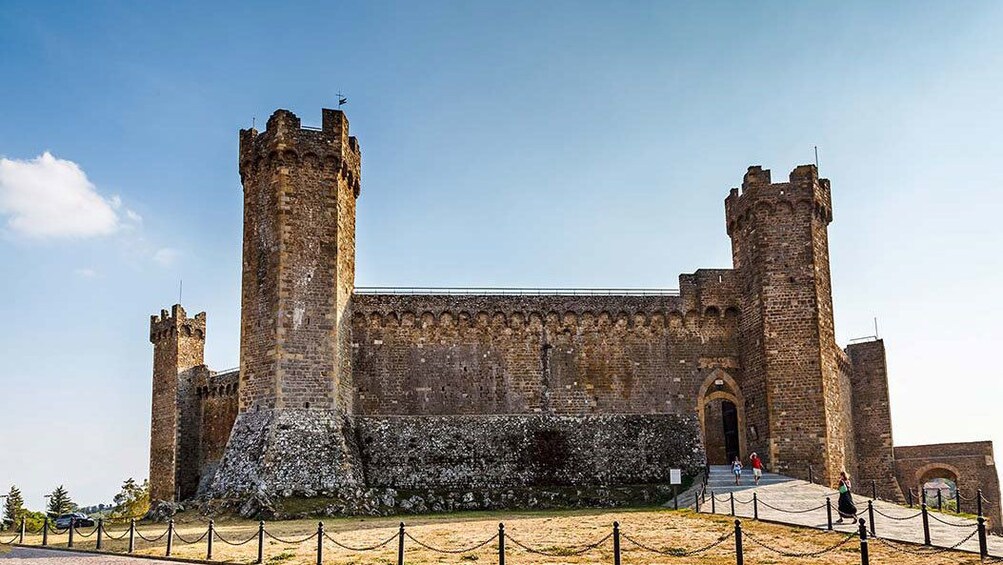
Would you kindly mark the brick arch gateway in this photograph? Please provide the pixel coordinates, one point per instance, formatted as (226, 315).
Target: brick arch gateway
(721, 410)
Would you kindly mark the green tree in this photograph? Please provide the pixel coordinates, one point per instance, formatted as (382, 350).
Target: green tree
(14, 508)
(133, 501)
(60, 502)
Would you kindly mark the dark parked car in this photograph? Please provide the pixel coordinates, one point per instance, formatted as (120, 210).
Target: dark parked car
(80, 520)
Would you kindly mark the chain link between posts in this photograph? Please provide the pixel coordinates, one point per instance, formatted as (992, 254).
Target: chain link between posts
(568, 553)
(786, 553)
(452, 551)
(679, 552)
(179, 537)
(216, 535)
(897, 518)
(289, 541)
(366, 548)
(152, 540)
(904, 549)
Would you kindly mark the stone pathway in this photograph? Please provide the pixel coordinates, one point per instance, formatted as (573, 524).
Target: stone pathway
(891, 521)
(34, 556)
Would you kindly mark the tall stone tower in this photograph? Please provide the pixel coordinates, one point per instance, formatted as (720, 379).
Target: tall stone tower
(798, 395)
(178, 346)
(292, 433)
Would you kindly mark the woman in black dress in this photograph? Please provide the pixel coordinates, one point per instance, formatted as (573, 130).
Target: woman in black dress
(846, 508)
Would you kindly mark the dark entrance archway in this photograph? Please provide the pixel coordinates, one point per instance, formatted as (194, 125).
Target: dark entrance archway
(720, 407)
(729, 419)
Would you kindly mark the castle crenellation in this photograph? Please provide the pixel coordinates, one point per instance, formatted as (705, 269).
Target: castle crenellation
(389, 400)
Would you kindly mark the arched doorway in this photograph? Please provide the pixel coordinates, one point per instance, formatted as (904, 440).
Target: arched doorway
(721, 412)
(938, 483)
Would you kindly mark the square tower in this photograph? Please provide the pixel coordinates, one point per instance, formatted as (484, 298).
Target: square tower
(797, 382)
(292, 432)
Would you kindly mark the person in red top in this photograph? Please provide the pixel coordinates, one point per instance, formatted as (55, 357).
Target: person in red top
(757, 467)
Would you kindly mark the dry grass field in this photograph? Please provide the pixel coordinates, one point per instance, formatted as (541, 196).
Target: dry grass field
(557, 533)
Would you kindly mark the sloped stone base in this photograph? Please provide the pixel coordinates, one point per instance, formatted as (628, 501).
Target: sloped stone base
(286, 453)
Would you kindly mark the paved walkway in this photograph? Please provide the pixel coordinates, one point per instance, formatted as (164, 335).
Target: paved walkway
(891, 521)
(53, 557)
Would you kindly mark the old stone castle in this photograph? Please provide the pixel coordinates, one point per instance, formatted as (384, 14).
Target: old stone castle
(493, 399)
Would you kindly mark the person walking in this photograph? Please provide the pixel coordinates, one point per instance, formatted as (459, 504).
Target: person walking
(757, 467)
(846, 508)
(736, 467)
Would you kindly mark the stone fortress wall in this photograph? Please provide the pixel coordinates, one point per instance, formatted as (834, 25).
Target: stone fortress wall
(497, 399)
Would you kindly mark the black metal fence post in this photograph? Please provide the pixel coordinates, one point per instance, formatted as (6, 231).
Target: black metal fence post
(261, 541)
(870, 515)
(131, 534)
(208, 543)
(828, 511)
(320, 543)
(983, 546)
(170, 536)
(73, 522)
(732, 504)
(910, 498)
(957, 500)
(400, 545)
(713, 503)
(696, 502)
(20, 538)
(940, 500)
(926, 526)
(755, 506)
(865, 559)
(811, 476)
(501, 544)
(100, 527)
(45, 532)
(978, 502)
(616, 543)
(739, 558)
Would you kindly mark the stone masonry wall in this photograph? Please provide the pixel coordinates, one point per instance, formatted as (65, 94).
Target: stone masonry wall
(971, 464)
(502, 451)
(873, 420)
(178, 345)
(793, 381)
(436, 355)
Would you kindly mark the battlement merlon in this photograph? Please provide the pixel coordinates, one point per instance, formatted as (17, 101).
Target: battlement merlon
(286, 139)
(172, 322)
(804, 187)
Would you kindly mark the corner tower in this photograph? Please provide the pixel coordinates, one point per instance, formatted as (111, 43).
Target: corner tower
(178, 346)
(292, 433)
(796, 389)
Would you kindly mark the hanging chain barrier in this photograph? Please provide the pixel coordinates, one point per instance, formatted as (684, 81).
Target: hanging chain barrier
(563, 553)
(902, 548)
(897, 518)
(678, 552)
(216, 535)
(365, 548)
(786, 511)
(616, 535)
(474, 547)
(779, 551)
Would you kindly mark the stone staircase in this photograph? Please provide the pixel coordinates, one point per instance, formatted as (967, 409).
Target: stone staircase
(722, 481)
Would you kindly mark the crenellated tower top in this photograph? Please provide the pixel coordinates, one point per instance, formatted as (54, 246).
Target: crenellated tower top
(803, 189)
(288, 142)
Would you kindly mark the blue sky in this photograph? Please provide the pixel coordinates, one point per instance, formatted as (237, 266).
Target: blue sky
(506, 144)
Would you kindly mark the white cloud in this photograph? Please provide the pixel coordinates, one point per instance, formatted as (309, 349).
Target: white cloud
(46, 197)
(85, 273)
(166, 256)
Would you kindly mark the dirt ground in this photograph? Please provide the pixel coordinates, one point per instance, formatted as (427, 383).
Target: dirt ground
(562, 535)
